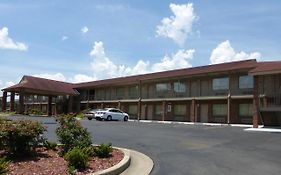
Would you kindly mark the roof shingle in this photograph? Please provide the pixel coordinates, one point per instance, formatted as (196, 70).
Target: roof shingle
(43, 85)
(246, 64)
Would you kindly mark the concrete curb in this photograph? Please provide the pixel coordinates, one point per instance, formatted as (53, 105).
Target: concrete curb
(270, 130)
(119, 168)
(141, 164)
(193, 123)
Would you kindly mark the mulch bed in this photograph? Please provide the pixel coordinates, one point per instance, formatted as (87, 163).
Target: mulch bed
(48, 162)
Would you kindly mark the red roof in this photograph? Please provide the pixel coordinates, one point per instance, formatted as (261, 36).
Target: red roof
(215, 68)
(267, 67)
(43, 86)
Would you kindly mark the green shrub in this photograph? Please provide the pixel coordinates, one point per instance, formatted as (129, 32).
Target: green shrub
(71, 134)
(4, 165)
(4, 120)
(34, 111)
(50, 145)
(103, 150)
(80, 115)
(90, 151)
(72, 170)
(8, 112)
(20, 137)
(77, 158)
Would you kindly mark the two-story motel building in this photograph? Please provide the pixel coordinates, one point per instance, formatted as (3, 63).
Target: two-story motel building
(242, 92)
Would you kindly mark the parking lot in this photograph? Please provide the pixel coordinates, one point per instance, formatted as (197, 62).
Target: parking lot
(190, 149)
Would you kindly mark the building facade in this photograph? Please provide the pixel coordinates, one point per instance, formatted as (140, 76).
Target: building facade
(243, 92)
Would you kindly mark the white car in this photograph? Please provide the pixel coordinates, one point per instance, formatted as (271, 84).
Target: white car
(91, 114)
(111, 114)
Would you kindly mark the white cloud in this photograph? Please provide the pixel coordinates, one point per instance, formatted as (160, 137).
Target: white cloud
(63, 38)
(7, 43)
(81, 78)
(6, 84)
(103, 67)
(78, 78)
(9, 83)
(84, 29)
(178, 26)
(57, 76)
(225, 53)
(178, 60)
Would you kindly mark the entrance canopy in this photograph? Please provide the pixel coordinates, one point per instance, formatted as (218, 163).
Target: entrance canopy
(37, 86)
(42, 86)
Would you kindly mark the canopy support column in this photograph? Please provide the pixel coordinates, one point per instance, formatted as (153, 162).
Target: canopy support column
(12, 102)
(4, 101)
(21, 103)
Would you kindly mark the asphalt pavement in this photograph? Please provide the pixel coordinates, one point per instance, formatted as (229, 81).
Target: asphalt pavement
(189, 149)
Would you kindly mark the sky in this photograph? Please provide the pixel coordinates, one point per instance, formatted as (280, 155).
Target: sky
(86, 40)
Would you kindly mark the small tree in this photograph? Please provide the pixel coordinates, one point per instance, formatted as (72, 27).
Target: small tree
(71, 134)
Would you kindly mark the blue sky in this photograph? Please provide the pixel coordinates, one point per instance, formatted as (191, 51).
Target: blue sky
(122, 37)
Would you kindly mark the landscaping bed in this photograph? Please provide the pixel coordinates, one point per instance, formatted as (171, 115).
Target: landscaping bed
(24, 150)
(48, 162)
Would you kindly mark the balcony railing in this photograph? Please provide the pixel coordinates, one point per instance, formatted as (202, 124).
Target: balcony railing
(166, 94)
(273, 100)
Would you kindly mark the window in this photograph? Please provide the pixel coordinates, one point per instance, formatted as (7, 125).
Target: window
(100, 94)
(120, 92)
(179, 87)
(158, 110)
(246, 82)
(246, 109)
(162, 87)
(133, 91)
(60, 97)
(179, 109)
(133, 109)
(220, 83)
(219, 110)
(115, 110)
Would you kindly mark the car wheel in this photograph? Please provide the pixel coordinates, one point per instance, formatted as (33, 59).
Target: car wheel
(126, 118)
(89, 118)
(109, 118)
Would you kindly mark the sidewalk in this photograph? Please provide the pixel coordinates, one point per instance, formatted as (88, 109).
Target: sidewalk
(193, 123)
(265, 129)
(140, 164)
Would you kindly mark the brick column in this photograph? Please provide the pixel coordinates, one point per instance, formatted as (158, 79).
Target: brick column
(192, 110)
(4, 101)
(49, 111)
(21, 103)
(228, 108)
(102, 105)
(256, 108)
(139, 109)
(164, 110)
(12, 102)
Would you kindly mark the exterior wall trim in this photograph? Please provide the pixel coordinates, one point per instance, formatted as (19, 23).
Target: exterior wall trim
(242, 96)
(173, 99)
